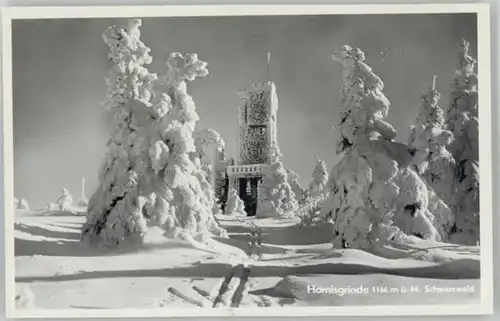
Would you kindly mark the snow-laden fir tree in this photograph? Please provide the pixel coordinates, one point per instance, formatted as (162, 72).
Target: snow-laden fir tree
(293, 180)
(462, 121)
(310, 209)
(314, 195)
(462, 115)
(367, 184)
(65, 201)
(319, 180)
(444, 218)
(275, 195)
(431, 139)
(234, 204)
(185, 199)
(433, 161)
(23, 204)
(205, 141)
(150, 174)
(361, 200)
(413, 215)
(115, 211)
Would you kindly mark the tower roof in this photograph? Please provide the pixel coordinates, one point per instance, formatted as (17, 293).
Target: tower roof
(255, 87)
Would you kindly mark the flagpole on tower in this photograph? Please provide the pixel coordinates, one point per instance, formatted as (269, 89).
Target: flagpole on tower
(434, 82)
(269, 66)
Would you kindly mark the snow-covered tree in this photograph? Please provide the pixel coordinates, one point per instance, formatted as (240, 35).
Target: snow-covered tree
(466, 228)
(51, 206)
(430, 138)
(275, 195)
(412, 215)
(362, 193)
(115, 209)
(64, 201)
(293, 180)
(205, 141)
(234, 204)
(151, 173)
(23, 204)
(366, 187)
(319, 181)
(462, 121)
(462, 115)
(444, 218)
(310, 210)
(434, 163)
(185, 202)
(314, 195)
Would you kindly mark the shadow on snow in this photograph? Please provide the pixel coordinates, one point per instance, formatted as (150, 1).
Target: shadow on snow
(461, 269)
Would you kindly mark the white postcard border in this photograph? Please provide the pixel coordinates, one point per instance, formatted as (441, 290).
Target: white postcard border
(485, 147)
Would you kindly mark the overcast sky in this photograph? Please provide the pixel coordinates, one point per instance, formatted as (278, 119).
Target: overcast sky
(60, 127)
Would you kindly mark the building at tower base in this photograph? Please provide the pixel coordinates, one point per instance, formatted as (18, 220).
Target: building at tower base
(220, 179)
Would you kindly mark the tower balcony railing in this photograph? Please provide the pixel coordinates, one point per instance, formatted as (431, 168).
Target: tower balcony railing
(244, 170)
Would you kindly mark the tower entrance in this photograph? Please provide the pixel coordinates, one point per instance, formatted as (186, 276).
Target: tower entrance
(248, 192)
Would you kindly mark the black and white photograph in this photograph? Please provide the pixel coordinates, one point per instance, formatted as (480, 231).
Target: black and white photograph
(247, 160)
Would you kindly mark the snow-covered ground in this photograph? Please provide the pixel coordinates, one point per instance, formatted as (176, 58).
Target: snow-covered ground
(60, 274)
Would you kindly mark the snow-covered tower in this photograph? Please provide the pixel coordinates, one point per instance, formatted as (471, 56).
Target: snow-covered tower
(257, 139)
(257, 142)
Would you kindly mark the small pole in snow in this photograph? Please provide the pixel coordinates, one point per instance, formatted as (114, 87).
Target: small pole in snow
(83, 187)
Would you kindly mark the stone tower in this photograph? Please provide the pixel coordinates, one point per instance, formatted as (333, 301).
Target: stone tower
(257, 142)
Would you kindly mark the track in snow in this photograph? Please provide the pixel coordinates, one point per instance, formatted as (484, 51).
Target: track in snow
(233, 288)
